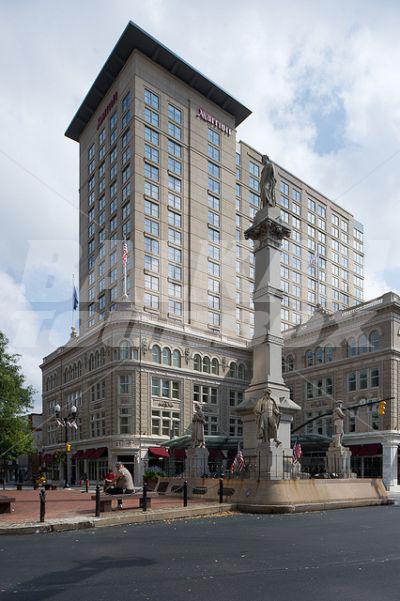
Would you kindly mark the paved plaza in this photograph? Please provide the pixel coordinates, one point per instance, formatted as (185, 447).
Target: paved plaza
(71, 504)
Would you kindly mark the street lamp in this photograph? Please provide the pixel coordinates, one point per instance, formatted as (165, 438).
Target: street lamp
(69, 421)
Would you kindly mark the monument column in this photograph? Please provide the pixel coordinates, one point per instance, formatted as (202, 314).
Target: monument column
(266, 459)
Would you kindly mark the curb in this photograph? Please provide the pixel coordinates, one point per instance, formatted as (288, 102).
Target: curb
(156, 515)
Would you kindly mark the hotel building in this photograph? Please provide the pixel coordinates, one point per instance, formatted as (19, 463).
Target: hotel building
(160, 167)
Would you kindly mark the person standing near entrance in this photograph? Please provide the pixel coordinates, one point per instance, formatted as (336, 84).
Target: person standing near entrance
(122, 484)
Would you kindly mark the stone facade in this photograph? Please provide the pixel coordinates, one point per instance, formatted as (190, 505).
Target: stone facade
(150, 385)
(352, 356)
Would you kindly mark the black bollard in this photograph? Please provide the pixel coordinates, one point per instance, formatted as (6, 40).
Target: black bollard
(221, 490)
(144, 499)
(185, 494)
(87, 485)
(42, 499)
(97, 501)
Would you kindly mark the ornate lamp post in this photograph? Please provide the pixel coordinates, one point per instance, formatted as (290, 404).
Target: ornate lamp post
(69, 421)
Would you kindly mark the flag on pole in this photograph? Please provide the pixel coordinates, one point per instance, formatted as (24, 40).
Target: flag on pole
(124, 253)
(297, 452)
(75, 301)
(238, 462)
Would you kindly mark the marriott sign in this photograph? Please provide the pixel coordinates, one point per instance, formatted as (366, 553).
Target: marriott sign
(202, 114)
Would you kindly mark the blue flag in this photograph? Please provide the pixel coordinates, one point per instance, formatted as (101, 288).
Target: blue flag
(75, 301)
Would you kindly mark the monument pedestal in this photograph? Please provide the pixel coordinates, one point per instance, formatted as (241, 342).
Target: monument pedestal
(270, 461)
(196, 464)
(338, 460)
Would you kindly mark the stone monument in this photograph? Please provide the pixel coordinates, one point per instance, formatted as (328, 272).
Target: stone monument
(267, 410)
(197, 455)
(338, 457)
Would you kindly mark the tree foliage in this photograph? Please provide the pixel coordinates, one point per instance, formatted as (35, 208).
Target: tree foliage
(15, 401)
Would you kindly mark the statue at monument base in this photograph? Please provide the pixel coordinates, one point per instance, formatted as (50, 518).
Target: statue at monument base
(338, 457)
(196, 464)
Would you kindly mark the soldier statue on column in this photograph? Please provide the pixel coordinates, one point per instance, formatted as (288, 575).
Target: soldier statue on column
(267, 183)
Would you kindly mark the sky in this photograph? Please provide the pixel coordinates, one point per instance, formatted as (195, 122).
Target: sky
(321, 78)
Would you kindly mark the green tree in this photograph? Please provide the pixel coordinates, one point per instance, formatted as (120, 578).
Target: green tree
(15, 401)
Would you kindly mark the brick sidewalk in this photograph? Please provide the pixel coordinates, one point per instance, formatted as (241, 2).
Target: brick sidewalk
(71, 503)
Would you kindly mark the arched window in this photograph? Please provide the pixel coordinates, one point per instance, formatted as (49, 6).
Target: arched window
(351, 347)
(197, 363)
(166, 356)
(328, 353)
(241, 371)
(176, 358)
(215, 367)
(79, 369)
(74, 371)
(91, 362)
(65, 375)
(69, 373)
(97, 359)
(309, 359)
(319, 356)
(124, 350)
(47, 384)
(233, 370)
(329, 386)
(290, 363)
(374, 341)
(363, 344)
(206, 365)
(102, 356)
(156, 354)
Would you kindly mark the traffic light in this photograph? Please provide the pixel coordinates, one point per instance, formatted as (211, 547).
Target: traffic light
(68, 447)
(382, 408)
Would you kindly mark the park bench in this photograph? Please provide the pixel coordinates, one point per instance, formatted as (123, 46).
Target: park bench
(5, 504)
(106, 500)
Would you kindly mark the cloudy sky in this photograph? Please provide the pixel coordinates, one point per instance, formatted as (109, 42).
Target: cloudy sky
(321, 77)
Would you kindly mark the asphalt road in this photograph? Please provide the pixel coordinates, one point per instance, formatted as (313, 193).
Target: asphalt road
(347, 555)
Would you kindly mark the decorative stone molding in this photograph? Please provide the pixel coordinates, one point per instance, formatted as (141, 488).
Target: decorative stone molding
(268, 232)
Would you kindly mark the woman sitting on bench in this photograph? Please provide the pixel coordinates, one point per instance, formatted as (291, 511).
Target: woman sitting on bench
(122, 484)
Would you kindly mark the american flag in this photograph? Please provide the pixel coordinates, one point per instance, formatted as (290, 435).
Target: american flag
(238, 462)
(124, 253)
(297, 452)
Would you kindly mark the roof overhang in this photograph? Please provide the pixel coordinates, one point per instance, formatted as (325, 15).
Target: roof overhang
(133, 38)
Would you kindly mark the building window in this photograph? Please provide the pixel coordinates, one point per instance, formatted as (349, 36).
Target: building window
(351, 382)
(165, 423)
(374, 341)
(174, 113)
(156, 354)
(166, 356)
(197, 363)
(124, 384)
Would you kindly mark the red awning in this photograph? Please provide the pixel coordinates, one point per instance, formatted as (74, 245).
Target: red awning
(94, 453)
(365, 450)
(159, 452)
(79, 455)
